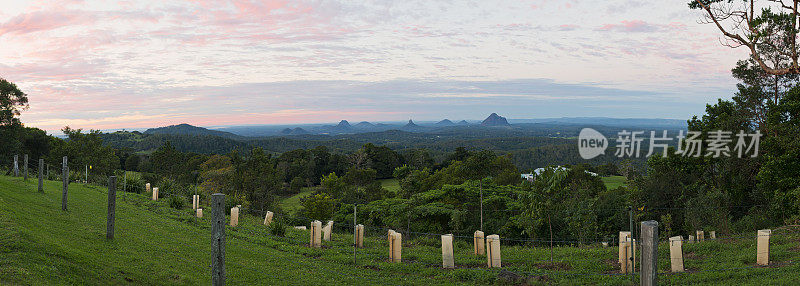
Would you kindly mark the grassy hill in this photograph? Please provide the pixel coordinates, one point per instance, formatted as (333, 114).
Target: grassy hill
(158, 245)
(391, 185)
(613, 182)
(291, 203)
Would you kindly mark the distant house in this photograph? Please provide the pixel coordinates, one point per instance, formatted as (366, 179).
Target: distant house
(532, 176)
(529, 177)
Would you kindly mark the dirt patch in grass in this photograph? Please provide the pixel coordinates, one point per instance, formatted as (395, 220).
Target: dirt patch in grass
(613, 264)
(373, 267)
(511, 278)
(692, 256)
(472, 264)
(778, 264)
(125, 276)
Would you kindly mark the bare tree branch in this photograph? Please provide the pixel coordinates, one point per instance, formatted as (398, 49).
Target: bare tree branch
(765, 33)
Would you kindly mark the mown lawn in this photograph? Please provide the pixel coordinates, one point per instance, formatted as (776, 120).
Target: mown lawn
(291, 204)
(613, 182)
(155, 244)
(391, 185)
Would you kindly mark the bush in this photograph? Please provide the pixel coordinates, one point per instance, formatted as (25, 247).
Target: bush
(149, 177)
(177, 202)
(296, 185)
(166, 187)
(319, 206)
(277, 228)
(232, 200)
(131, 183)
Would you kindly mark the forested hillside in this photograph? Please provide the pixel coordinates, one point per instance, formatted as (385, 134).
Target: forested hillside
(186, 129)
(530, 147)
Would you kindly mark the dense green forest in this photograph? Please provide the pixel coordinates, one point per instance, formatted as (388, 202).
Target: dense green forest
(526, 152)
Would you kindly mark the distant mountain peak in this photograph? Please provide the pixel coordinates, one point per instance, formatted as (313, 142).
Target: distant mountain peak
(343, 123)
(411, 125)
(295, 131)
(495, 120)
(463, 122)
(188, 129)
(364, 124)
(445, 122)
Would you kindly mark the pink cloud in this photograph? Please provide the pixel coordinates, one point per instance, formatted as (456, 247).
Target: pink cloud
(45, 20)
(567, 27)
(631, 26)
(64, 70)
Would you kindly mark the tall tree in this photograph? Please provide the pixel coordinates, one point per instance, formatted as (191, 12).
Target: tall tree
(12, 102)
(767, 28)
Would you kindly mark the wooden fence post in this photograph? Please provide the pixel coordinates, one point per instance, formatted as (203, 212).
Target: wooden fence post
(268, 218)
(199, 213)
(691, 239)
(25, 161)
(218, 235)
(762, 248)
(195, 202)
(16, 165)
(112, 205)
(316, 235)
(447, 251)
(493, 251)
(648, 275)
(712, 234)
(700, 235)
(65, 179)
(478, 243)
(359, 235)
(155, 193)
(676, 253)
(147, 187)
(41, 175)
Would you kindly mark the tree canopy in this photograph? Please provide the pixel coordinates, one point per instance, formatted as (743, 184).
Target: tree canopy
(767, 28)
(12, 102)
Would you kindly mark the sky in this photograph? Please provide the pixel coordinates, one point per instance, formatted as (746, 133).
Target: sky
(139, 64)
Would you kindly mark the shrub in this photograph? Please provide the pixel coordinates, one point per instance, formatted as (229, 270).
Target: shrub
(296, 185)
(232, 200)
(131, 183)
(166, 187)
(319, 206)
(177, 202)
(149, 178)
(277, 228)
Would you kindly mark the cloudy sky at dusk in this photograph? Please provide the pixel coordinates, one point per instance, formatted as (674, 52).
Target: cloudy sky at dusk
(135, 64)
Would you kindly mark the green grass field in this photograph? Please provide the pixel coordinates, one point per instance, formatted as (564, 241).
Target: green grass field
(391, 185)
(291, 203)
(614, 182)
(158, 245)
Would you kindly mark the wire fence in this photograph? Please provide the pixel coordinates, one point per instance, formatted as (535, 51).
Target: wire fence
(418, 248)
